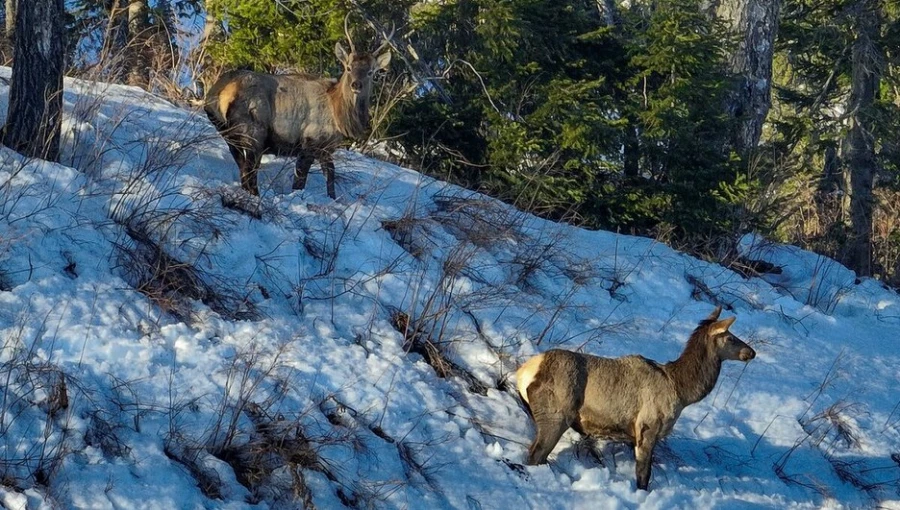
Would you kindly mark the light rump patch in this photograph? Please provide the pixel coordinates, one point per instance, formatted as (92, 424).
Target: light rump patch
(226, 97)
(526, 374)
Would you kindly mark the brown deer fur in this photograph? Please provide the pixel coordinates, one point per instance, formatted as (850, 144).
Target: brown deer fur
(631, 399)
(298, 115)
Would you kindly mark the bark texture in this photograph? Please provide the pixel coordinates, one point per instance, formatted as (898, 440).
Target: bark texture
(35, 96)
(11, 7)
(609, 11)
(755, 22)
(138, 53)
(860, 143)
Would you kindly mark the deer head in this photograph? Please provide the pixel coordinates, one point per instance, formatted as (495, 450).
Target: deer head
(727, 345)
(360, 67)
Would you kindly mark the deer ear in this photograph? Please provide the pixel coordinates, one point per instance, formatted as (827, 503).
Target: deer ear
(340, 53)
(384, 60)
(715, 314)
(720, 327)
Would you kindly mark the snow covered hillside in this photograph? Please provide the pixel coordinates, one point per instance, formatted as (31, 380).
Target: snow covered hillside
(170, 343)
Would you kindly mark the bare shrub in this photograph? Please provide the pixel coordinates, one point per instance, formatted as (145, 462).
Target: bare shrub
(416, 471)
(818, 221)
(833, 431)
(833, 425)
(102, 433)
(268, 456)
(34, 404)
(820, 294)
(171, 283)
(411, 234)
(192, 458)
(419, 342)
(271, 459)
(247, 372)
(243, 202)
(481, 221)
(701, 292)
(886, 235)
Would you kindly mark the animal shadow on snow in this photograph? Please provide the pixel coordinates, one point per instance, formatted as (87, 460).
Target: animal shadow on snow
(730, 463)
(276, 175)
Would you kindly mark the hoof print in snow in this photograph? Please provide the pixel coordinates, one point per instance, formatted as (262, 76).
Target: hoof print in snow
(518, 468)
(70, 270)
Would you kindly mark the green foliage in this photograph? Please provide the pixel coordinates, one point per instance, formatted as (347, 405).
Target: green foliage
(676, 90)
(620, 125)
(813, 113)
(265, 35)
(562, 93)
(544, 97)
(289, 34)
(531, 76)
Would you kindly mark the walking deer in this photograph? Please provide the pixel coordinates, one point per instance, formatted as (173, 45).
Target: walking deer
(630, 399)
(297, 115)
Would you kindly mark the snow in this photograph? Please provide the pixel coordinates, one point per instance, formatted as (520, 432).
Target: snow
(292, 316)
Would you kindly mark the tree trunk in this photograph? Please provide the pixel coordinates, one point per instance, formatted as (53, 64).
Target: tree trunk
(632, 153)
(609, 12)
(212, 29)
(860, 159)
(138, 61)
(11, 18)
(755, 22)
(115, 40)
(35, 94)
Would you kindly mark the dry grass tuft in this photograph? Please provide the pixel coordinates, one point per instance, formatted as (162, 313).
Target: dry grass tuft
(482, 222)
(274, 447)
(171, 283)
(417, 341)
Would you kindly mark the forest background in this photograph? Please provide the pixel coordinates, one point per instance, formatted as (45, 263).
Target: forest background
(691, 121)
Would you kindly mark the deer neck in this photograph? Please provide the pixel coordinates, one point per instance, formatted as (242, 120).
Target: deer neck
(351, 111)
(695, 372)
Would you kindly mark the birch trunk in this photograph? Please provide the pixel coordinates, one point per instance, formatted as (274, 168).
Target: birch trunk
(755, 22)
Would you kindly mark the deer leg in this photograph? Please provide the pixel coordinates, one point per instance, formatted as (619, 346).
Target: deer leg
(551, 419)
(328, 169)
(301, 171)
(249, 169)
(250, 139)
(644, 440)
(236, 153)
(549, 430)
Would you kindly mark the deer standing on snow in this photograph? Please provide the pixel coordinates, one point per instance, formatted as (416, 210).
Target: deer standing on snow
(631, 399)
(297, 115)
